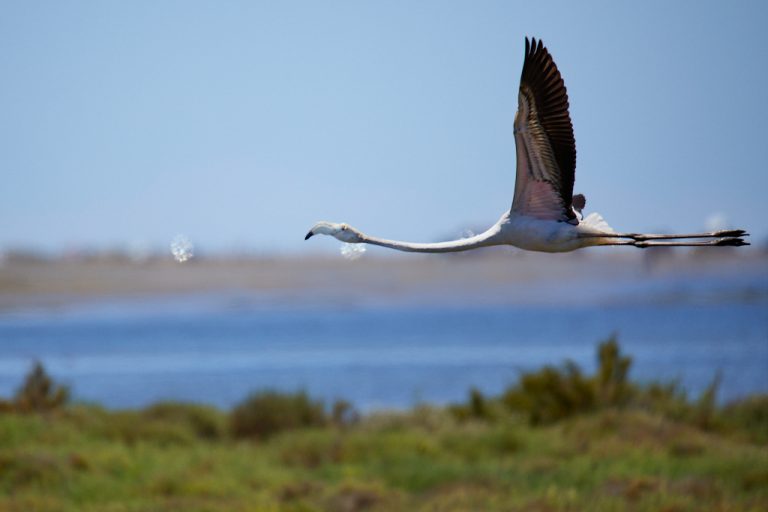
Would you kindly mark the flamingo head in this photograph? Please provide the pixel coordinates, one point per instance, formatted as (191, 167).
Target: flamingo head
(343, 232)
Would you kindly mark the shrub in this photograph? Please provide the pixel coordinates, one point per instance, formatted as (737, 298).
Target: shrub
(554, 393)
(668, 398)
(39, 393)
(612, 386)
(551, 394)
(671, 400)
(268, 412)
(705, 408)
(344, 414)
(6, 406)
(478, 407)
(749, 415)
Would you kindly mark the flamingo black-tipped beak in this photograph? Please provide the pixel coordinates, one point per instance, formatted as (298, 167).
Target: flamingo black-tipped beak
(309, 235)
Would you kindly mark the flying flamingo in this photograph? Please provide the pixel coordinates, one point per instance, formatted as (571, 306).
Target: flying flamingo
(545, 215)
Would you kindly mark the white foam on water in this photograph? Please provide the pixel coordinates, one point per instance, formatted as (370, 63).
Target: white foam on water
(182, 249)
(352, 251)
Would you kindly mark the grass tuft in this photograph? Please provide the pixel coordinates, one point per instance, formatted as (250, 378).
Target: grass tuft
(267, 413)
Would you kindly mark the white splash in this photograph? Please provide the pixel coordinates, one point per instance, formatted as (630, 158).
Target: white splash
(182, 249)
(352, 251)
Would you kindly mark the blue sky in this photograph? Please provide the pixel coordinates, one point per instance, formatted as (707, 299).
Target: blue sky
(240, 124)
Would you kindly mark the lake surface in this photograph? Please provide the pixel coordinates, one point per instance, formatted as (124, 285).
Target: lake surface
(217, 348)
(386, 351)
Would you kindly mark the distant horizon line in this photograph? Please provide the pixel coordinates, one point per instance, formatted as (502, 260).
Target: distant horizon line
(90, 253)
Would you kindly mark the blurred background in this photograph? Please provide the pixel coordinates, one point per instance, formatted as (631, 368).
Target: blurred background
(240, 124)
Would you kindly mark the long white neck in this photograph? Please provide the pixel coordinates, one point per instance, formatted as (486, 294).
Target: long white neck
(487, 238)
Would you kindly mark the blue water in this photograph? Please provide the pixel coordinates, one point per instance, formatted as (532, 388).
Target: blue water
(218, 348)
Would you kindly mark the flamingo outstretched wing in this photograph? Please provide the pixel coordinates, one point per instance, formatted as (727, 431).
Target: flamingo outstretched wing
(546, 148)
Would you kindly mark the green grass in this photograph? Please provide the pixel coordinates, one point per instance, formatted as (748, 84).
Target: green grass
(557, 440)
(82, 458)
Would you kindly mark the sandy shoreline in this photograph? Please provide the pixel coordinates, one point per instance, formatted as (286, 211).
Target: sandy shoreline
(52, 282)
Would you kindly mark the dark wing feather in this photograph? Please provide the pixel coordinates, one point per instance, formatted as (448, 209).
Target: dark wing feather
(546, 149)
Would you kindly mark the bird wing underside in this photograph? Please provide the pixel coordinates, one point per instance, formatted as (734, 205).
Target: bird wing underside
(546, 149)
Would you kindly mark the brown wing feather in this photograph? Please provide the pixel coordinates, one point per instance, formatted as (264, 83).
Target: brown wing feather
(544, 130)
